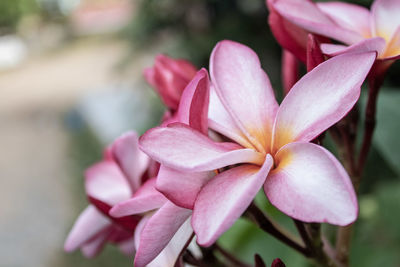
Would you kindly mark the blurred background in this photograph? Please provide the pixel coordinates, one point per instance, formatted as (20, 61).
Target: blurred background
(71, 81)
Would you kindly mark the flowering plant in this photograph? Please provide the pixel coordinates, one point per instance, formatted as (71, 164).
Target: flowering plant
(168, 196)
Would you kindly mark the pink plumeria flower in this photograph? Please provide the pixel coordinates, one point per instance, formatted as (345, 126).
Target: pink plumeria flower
(165, 230)
(355, 26)
(270, 143)
(107, 183)
(169, 78)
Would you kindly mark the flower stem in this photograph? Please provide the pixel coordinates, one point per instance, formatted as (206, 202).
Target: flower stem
(311, 235)
(303, 233)
(209, 259)
(189, 258)
(375, 81)
(232, 259)
(265, 224)
(343, 241)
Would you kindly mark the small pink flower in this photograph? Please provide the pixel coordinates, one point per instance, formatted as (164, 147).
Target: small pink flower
(269, 143)
(355, 26)
(107, 183)
(169, 78)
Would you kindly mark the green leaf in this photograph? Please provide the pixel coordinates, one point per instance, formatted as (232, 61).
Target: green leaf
(387, 129)
(377, 235)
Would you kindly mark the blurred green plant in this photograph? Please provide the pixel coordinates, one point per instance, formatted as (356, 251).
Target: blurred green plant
(197, 25)
(11, 11)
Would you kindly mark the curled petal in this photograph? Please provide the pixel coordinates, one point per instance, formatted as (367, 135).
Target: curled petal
(128, 246)
(314, 53)
(193, 107)
(245, 91)
(180, 187)
(288, 35)
(182, 148)
(158, 232)
(88, 224)
(132, 161)
(222, 200)
(386, 19)
(170, 254)
(96, 244)
(393, 47)
(368, 45)
(105, 182)
(220, 121)
(290, 70)
(169, 78)
(306, 14)
(309, 184)
(147, 198)
(139, 228)
(353, 17)
(321, 98)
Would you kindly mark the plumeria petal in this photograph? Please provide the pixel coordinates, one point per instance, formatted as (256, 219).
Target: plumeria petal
(182, 187)
(158, 232)
(222, 200)
(193, 107)
(371, 44)
(307, 15)
(245, 90)
(169, 255)
(353, 17)
(139, 228)
(89, 223)
(220, 121)
(321, 98)
(309, 184)
(169, 77)
(148, 74)
(334, 49)
(132, 161)
(180, 147)
(288, 35)
(127, 247)
(147, 198)
(314, 53)
(290, 70)
(96, 244)
(385, 14)
(104, 181)
(393, 47)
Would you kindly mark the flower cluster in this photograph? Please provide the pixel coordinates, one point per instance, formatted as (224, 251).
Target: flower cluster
(224, 137)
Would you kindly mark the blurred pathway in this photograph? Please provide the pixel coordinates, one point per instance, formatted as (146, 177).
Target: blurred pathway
(59, 78)
(37, 204)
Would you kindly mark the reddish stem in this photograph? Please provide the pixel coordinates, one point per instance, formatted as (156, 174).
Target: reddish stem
(232, 259)
(375, 80)
(265, 224)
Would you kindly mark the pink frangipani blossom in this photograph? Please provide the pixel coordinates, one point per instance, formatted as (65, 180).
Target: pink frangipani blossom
(108, 182)
(358, 28)
(169, 78)
(270, 144)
